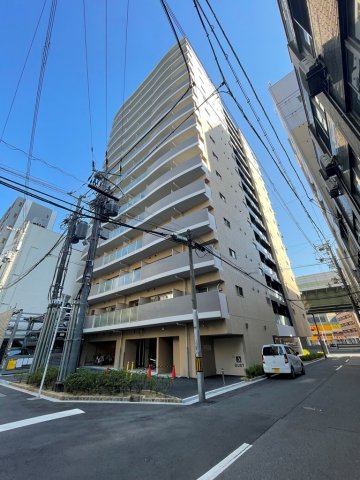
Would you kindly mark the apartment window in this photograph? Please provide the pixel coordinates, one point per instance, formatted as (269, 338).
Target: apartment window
(353, 17)
(211, 138)
(302, 26)
(353, 79)
(239, 290)
(222, 197)
(232, 253)
(321, 121)
(227, 223)
(214, 155)
(218, 174)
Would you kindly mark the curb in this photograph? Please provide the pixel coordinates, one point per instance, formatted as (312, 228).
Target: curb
(56, 397)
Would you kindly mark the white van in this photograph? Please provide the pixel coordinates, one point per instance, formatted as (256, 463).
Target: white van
(278, 358)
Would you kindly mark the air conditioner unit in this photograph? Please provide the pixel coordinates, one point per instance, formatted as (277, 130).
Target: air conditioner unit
(312, 73)
(333, 187)
(329, 166)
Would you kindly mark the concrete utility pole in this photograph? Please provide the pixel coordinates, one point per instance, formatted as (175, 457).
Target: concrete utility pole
(354, 304)
(320, 338)
(75, 342)
(197, 340)
(60, 311)
(46, 333)
(103, 209)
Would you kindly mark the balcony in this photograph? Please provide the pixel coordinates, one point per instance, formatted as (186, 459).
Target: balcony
(269, 271)
(153, 170)
(200, 223)
(142, 118)
(153, 275)
(264, 251)
(211, 306)
(153, 139)
(179, 201)
(276, 296)
(182, 174)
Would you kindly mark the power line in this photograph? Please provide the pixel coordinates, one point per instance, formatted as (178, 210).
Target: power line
(256, 96)
(232, 95)
(22, 71)
(88, 88)
(44, 162)
(40, 84)
(32, 268)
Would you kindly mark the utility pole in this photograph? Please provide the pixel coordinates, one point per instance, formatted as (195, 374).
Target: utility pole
(328, 249)
(75, 343)
(12, 336)
(320, 340)
(60, 311)
(46, 333)
(102, 210)
(197, 340)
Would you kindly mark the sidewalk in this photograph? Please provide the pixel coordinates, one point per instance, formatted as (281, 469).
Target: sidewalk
(187, 387)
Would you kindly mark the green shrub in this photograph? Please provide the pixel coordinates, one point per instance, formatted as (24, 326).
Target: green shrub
(311, 356)
(254, 371)
(113, 382)
(50, 378)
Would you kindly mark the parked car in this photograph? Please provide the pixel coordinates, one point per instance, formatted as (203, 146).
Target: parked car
(278, 358)
(17, 351)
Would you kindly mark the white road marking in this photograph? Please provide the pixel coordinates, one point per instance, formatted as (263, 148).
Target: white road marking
(224, 464)
(346, 361)
(42, 418)
(338, 368)
(309, 408)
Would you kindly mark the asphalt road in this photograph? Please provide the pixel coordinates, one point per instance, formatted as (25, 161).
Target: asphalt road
(307, 427)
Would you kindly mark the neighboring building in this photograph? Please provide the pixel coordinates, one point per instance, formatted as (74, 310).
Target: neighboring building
(349, 326)
(29, 245)
(323, 292)
(20, 212)
(328, 328)
(324, 46)
(192, 171)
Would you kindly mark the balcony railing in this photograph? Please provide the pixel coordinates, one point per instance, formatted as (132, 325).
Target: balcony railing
(211, 305)
(153, 275)
(176, 172)
(190, 191)
(196, 222)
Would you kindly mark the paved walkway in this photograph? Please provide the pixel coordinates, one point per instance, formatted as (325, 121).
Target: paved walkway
(186, 387)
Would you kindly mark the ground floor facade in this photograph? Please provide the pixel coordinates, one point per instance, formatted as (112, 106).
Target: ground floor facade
(166, 347)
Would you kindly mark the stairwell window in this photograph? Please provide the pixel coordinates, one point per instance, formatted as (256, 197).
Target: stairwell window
(222, 197)
(211, 138)
(232, 253)
(239, 291)
(227, 223)
(218, 174)
(214, 155)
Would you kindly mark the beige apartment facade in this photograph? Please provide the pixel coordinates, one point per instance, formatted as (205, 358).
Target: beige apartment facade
(193, 170)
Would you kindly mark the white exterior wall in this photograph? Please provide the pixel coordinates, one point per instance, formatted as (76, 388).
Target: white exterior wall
(31, 293)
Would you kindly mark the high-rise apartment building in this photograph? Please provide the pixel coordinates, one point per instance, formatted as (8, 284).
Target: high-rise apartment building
(20, 212)
(324, 46)
(194, 171)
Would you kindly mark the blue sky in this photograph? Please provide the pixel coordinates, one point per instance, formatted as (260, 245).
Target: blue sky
(63, 133)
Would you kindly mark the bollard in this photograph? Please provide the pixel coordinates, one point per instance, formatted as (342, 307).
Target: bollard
(127, 366)
(132, 365)
(223, 376)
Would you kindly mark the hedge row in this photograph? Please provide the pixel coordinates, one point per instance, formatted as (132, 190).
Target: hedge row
(311, 356)
(108, 382)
